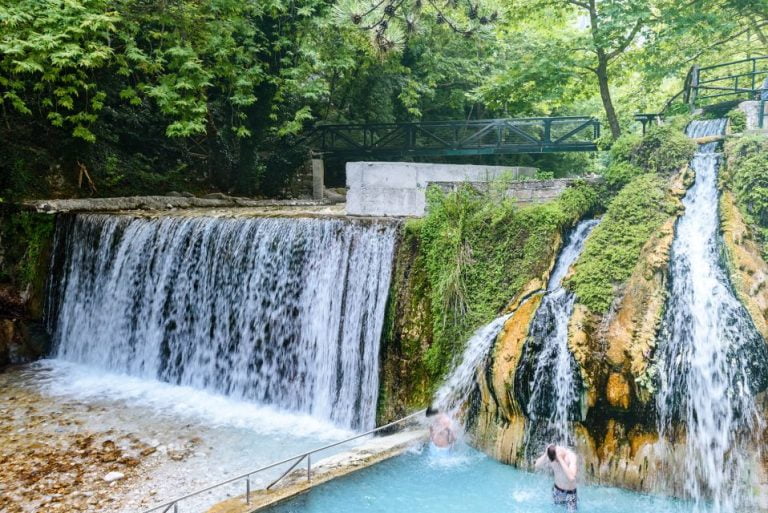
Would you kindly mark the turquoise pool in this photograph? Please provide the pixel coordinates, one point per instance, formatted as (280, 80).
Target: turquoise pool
(429, 482)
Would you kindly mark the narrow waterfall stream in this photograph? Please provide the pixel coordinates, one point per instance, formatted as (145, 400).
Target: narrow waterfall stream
(547, 382)
(710, 357)
(460, 382)
(277, 311)
(555, 356)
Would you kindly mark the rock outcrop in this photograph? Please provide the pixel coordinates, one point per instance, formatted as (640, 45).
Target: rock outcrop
(616, 437)
(25, 245)
(748, 270)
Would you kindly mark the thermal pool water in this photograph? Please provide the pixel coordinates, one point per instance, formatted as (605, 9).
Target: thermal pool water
(429, 482)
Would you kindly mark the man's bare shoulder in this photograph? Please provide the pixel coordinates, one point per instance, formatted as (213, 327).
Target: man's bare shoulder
(569, 455)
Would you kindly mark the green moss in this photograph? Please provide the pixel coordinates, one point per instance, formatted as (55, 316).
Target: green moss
(746, 176)
(663, 150)
(406, 384)
(738, 120)
(26, 239)
(619, 173)
(479, 251)
(25, 243)
(613, 249)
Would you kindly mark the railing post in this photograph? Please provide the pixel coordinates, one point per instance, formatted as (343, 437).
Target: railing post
(761, 114)
(547, 131)
(248, 490)
(309, 467)
(754, 72)
(694, 88)
(318, 177)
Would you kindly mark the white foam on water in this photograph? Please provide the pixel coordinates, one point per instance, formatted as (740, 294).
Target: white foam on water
(84, 383)
(460, 455)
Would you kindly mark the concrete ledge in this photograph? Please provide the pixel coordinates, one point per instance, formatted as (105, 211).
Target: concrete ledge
(371, 452)
(156, 203)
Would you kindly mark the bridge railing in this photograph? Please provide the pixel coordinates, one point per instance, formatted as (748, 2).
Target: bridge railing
(728, 81)
(474, 137)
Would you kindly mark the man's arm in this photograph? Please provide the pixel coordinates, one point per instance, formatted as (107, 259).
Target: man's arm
(569, 465)
(541, 462)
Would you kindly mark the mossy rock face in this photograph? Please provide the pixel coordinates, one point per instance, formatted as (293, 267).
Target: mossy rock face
(744, 224)
(26, 239)
(620, 283)
(473, 257)
(406, 383)
(614, 248)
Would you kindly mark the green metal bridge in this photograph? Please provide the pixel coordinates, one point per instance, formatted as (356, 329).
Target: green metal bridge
(456, 138)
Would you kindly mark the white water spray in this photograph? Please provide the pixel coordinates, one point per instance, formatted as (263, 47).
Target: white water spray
(459, 384)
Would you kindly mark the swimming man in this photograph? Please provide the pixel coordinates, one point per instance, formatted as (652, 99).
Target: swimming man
(563, 463)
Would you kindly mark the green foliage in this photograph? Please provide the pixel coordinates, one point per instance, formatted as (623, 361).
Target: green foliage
(738, 120)
(663, 150)
(747, 176)
(613, 248)
(219, 90)
(26, 238)
(619, 173)
(479, 251)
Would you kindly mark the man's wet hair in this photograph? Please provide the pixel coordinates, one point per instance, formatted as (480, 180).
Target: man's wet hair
(551, 452)
(432, 411)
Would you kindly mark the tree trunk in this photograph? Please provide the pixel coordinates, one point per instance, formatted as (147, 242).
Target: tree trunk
(602, 72)
(605, 95)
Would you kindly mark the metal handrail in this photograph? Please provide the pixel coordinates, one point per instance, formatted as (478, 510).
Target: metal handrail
(174, 503)
(700, 82)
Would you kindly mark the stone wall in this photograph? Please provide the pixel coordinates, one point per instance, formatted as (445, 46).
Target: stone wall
(524, 192)
(399, 188)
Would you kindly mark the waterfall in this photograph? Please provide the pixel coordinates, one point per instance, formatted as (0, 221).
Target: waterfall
(547, 382)
(710, 357)
(459, 384)
(279, 311)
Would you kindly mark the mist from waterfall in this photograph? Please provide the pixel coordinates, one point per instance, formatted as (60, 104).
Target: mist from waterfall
(286, 312)
(547, 382)
(710, 357)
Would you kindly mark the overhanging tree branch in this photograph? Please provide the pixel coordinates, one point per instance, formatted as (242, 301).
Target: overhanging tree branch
(624, 44)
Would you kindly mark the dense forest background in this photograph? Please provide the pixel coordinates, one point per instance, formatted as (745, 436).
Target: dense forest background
(108, 97)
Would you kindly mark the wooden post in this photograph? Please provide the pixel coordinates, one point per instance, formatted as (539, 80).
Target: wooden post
(318, 177)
